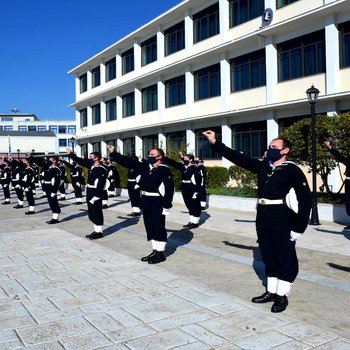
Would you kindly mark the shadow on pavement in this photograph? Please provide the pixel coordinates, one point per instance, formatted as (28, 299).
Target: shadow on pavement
(177, 239)
(339, 267)
(120, 225)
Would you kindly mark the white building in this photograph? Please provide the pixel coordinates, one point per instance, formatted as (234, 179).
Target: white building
(63, 131)
(216, 64)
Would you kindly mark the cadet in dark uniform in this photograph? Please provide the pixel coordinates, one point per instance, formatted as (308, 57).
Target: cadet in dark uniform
(50, 184)
(134, 175)
(28, 180)
(95, 189)
(190, 186)
(5, 180)
(105, 192)
(64, 181)
(204, 174)
(113, 178)
(157, 189)
(17, 174)
(346, 161)
(77, 179)
(277, 226)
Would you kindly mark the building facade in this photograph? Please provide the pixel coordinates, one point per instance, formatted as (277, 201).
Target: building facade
(238, 67)
(64, 130)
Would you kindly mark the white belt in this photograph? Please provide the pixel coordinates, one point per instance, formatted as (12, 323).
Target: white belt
(46, 182)
(186, 181)
(132, 180)
(91, 186)
(347, 178)
(264, 201)
(150, 194)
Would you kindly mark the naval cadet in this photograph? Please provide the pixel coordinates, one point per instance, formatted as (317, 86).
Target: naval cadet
(278, 227)
(5, 180)
(77, 179)
(28, 181)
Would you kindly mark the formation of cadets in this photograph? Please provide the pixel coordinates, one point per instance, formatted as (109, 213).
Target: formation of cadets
(151, 188)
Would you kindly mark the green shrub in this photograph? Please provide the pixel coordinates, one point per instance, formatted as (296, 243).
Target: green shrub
(244, 178)
(217, 177)
(233, 191)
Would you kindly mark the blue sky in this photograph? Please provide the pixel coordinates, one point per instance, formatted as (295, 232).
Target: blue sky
(41, 40)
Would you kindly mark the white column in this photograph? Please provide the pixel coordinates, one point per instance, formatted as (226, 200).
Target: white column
(272, 126)
(120, 146)
(77, 87)
(118, 64)
(77, 150)
(224, 10)
(138, 146)
(77, 121)
(160, 45)
(103, 112)
(271, 70)
(226, 132)
(119, 107)
(332, 55)
(161, 99)
(138, 101)
(225, 81)
(89, 79)
(104, 152)
(332, 108)
(189, 90)
(89, 116)
(102, 73)
(270, 4)
(191, 141)
(188, 31)
(89, 148)
(162, 141)
(137, 55)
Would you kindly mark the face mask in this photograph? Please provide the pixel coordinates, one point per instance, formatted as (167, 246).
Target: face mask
(152, 160)
(196, 162)
(186, 161)
(274, 154)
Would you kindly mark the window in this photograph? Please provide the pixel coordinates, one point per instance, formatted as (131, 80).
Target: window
(242, 11)
(207, 82)
(41, 128)
(206, 23)
(96, 147)
(62, 142)
(22, 128)
(176, 141)
(284, 123)
(71, 129)
(111, 70)
(281, 3)
(148, 143)
(174, 38)
(129, 147)
(203, 148)
(8, 128)
(83, 118)
(149, 99)
(128, 104)
(83, 83)
(96, 77)
(53, 128)
(31, 127)
(248, 71)
(7, 119)
(96, 114)
(149, 51)
(111, 109)
(301, 57)
(175, 91)
(1, 128)
(128, 61)
(84, 150)
(250, 138)
(62, 129)
(344, 30)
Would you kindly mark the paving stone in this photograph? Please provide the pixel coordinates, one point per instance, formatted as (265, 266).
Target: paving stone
(13, 344)
(43, 283)
(39, 306)
(306, 333)
(57, 315)
(294, 345)
(6, 336)
(10, 305)
(15, 319)
(195, 346)
(338, 344)
(203, 334)
(12, 287)
(161, 294)
(224, 309)
(156, 310)
(73, 303)
(46, 346)
(130, 333)
(123, 317)
(53, 294)
(54, 331)
(164, 340)
(17, 271)
(103, 322)
(86, 342)
(119, 346)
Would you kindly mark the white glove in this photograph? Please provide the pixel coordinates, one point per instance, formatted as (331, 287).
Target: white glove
(53, 195)
(195, 195)
(93, 200)
(136, 187)
(5, 185)
(165, 212)
(18, 186)
(294, 236)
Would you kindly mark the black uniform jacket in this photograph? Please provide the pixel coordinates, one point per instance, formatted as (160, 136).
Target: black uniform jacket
(28, 177)
(76, 172)
(153, 179)
(342, 159)
(275, 183)
(5, 176)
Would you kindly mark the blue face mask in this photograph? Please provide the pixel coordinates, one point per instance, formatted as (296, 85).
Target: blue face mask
(274, 154)
(152, 160)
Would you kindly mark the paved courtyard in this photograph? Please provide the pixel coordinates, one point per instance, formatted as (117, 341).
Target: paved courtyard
(62, 291)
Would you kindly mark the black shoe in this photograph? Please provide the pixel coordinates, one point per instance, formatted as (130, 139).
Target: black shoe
(96, 235)
(134, 214)
(62, 199)
(5, 203)
(52, 221)
(280, 304)
(157, 258)
(264, 298)
(43, 196)
(149, 256)
(18, 206)
(190, 225)
(347, 227)
(104, 206)
(29, 212)
(78, 203)
(88, 236)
